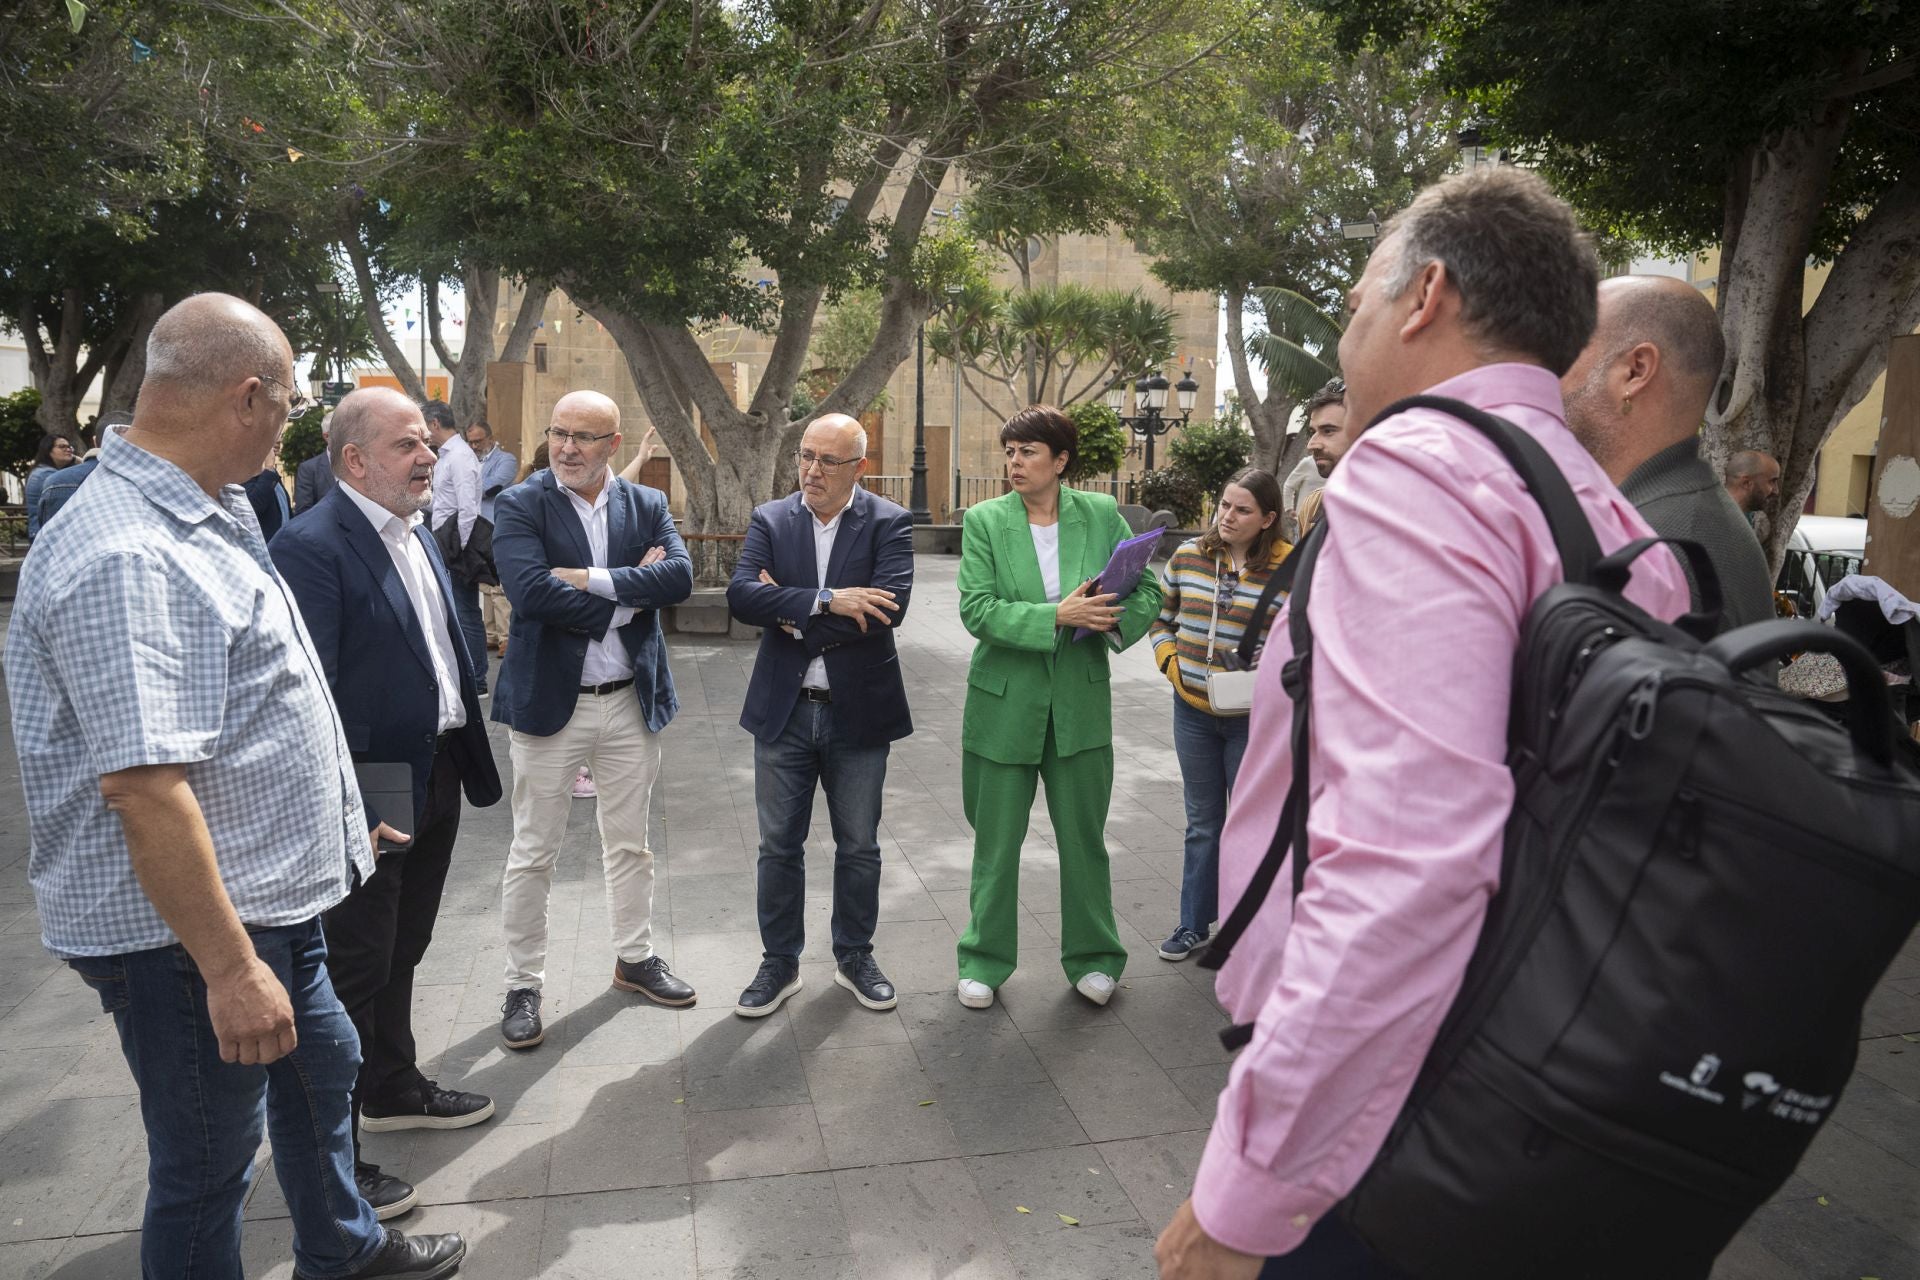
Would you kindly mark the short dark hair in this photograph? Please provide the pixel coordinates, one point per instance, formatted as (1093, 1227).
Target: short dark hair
(1527, 274)
(1043, 424)
(1334, 392)
(482, 426)
(438, 414)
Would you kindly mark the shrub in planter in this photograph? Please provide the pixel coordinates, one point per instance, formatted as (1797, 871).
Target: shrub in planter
(1173, 489)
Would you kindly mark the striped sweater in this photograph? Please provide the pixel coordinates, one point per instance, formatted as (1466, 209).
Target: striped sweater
(1188, 588)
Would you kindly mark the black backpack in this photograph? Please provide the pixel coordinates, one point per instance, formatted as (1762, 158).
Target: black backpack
(1701, 881)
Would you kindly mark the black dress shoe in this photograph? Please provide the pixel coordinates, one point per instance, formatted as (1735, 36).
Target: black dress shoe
(860, 975)
(520, 1024)
(426, 1106)
(411, 1258)
(769, 989)
(652, 979)
(389, 1196)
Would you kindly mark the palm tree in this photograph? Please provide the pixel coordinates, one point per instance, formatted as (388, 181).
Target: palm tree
(1300, 350)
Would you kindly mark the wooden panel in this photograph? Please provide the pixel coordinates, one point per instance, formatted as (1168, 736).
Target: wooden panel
(511, 408)
(1893, 512)
(657, 473)
(939, 471)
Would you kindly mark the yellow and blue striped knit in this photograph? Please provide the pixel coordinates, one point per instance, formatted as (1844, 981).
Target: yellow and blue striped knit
(1188, 587)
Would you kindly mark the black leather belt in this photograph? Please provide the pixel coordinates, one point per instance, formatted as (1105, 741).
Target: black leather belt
(611, 686)
(816, 695)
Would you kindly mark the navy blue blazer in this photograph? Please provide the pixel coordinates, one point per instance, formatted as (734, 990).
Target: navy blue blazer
(375, 650)
(874, 548)
(536, 530)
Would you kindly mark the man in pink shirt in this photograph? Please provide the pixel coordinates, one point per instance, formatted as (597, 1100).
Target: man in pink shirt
(1483, 290)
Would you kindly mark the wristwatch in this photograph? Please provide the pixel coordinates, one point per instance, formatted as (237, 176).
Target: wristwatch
(824, 601)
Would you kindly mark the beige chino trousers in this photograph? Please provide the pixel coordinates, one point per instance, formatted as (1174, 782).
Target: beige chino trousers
(608, 733)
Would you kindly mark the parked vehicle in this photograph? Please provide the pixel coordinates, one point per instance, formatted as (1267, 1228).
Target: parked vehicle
(1821, 550)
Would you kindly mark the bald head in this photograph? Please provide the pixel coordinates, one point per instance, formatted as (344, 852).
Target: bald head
(584, 435)
(1642, 384)
(833, 455)
(362, 414)
(213, 341)
(1753, 480)
(380, 449)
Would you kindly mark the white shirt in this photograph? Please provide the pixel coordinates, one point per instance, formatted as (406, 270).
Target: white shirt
(456, 486)
(1046, 545)
(607, 658)
(416, 575)
(823, 536)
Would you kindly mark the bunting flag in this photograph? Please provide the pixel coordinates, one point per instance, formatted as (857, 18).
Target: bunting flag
(141, 52)
(247, 122)
(293, 156)
(386, 206)
(556, 326)
(409, 326)
(76, 14)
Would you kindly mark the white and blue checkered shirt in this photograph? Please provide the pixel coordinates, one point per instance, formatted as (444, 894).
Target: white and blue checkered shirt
(151, 628)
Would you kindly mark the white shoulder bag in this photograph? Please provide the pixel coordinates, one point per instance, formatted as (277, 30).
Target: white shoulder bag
(1229, 693)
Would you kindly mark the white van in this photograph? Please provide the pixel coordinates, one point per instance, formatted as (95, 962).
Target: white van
(1821, 550)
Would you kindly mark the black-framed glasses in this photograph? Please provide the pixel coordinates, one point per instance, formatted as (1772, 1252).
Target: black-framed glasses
(296, 399)
(581, 438)
(806, 459)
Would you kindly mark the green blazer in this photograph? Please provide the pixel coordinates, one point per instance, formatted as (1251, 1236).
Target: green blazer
(1025, 669)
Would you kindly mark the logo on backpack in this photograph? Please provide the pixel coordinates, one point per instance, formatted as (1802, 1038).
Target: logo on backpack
(1695, 1083)
(1759, 1087)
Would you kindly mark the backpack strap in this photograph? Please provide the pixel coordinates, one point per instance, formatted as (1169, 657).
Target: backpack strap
(1281, 579)
(1579, 556)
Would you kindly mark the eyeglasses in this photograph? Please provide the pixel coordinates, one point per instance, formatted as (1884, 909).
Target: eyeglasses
(296, 401)
(805, 460)
(580, 438)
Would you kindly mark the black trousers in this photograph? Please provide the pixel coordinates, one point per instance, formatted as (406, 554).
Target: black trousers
(379, 934)
(1330, 1252)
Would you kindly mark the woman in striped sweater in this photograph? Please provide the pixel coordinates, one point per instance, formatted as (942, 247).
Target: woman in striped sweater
(1208, 592)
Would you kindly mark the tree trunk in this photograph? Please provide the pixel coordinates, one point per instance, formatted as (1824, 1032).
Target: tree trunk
(1267, 418)
(128, 368)
(60, 376)
(533, 305)
(1790, 377)
(377, 321)
(467, 394)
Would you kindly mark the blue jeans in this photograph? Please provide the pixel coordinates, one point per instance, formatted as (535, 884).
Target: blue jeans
(1209, 748)
(204, 1117)
(473, 628)
(784, 774)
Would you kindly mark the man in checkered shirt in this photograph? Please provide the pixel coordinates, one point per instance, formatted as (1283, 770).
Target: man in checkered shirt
(194, 810)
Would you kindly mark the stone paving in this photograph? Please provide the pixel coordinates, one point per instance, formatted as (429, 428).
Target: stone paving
(826, 1142)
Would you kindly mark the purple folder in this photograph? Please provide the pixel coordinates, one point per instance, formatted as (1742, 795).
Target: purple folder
(1122, 574)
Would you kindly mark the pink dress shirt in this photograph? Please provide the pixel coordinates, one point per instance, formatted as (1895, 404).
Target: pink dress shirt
(1434, 553)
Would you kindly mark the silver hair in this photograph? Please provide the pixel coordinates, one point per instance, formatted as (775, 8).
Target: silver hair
(1526, 273)
(211, 341)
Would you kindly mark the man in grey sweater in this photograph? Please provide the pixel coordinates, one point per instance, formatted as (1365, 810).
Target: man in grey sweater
(1635, 399)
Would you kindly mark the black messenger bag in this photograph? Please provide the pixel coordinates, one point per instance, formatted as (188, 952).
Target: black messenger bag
(1701, 881)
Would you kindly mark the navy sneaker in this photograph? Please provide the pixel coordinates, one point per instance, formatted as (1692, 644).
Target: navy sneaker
(1181, 944)
(777, 980)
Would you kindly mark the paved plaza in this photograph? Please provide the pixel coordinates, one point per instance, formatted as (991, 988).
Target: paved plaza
(1043, 1138)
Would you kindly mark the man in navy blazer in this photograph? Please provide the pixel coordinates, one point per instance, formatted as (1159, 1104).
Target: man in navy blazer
(587, 561)
(377, 601)
(827, 573)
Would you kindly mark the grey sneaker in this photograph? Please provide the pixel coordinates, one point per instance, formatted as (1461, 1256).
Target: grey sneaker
(520, 1019)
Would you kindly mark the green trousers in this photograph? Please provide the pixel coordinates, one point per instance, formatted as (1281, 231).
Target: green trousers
(998, 799)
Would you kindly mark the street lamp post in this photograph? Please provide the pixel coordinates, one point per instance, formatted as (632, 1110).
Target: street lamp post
(331, 288)
(1150, 399)
(917, 494)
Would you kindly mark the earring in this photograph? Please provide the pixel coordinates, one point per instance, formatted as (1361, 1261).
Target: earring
(1626, 405)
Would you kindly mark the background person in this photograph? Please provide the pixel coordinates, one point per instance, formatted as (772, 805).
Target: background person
(1038, 704)
(54, 455)
(1207, 596)
(61, 485)
(1329, 436)
(1753, 482)
(378, 604)
(453, 521)
(193, 810)
(1635, 399)
(267, 493)
(826, 574)
(499, 471)
(313, 479)
(585, 682)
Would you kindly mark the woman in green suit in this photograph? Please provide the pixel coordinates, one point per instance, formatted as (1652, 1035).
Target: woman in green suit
(1038, 706)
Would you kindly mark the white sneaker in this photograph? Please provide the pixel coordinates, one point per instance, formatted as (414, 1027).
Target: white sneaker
(975, 995)
(1097, 987)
